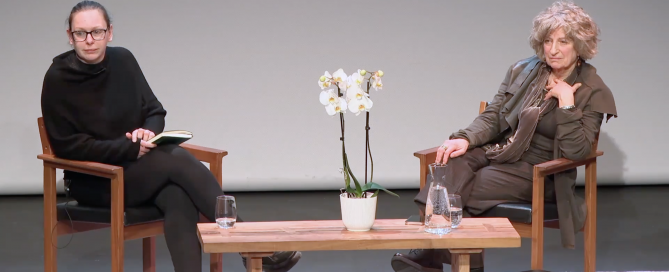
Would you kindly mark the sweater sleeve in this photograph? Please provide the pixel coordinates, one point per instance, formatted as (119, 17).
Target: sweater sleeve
(151, 107)
(576, 131)
(69, 143)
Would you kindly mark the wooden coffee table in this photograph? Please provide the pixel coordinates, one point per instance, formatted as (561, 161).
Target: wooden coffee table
(255, 240)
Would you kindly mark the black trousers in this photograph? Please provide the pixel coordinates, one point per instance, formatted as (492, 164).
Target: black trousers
(482, 185)
(170, 178)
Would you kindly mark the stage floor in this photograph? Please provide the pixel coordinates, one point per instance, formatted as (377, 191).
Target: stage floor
(632, 235)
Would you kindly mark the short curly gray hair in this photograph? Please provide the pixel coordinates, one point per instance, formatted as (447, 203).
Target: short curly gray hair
(576, 23)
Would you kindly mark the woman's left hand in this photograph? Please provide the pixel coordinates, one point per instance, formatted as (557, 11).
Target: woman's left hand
(561, 90)
(140, 133)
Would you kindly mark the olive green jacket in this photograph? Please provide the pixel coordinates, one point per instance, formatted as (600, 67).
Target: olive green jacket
(576, 132)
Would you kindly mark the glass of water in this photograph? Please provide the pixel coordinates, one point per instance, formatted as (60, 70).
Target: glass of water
(455, 202)
(226, 211)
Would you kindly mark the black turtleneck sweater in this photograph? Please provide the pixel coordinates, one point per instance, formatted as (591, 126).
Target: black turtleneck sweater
(88, 108)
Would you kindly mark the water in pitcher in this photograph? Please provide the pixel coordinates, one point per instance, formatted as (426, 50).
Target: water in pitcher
(437, 210)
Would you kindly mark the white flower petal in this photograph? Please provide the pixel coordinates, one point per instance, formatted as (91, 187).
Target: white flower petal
(325, 97)
(354, 93)
(368, 103)
(330, 109)
(354, 106)
(340, 77)
(342, 105)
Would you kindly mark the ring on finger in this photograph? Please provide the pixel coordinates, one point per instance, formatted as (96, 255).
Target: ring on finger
(444, 147)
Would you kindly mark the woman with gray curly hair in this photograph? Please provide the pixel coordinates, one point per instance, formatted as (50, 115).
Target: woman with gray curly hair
(549, 106)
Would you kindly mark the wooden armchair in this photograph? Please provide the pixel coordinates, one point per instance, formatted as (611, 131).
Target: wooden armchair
(126, 224)
(529, 219)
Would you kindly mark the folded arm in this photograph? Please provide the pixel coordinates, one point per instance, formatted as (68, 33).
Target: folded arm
(576, 131)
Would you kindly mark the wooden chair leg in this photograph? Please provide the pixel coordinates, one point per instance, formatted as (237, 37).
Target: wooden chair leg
(215, 262)
(537, 221)
(50, 220)
(149, 254)
(590, 247)
(117, 237)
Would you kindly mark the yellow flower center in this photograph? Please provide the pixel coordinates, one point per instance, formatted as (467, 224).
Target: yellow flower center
(361, 107)
(358, 96)
(331, 100)
(337, 109)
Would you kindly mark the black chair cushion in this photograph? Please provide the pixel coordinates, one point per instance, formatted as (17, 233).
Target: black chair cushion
(520, 212)
(131, 216)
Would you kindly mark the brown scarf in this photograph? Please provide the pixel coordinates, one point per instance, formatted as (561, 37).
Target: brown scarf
(532, 110)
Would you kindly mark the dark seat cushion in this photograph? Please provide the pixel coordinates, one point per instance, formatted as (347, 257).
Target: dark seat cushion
(520, 212)
(131, 216)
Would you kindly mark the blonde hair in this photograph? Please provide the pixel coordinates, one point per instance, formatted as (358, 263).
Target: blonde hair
(576, 23)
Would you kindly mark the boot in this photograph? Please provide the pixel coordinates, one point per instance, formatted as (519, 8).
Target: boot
(424, 260)
(281, 261)
(418, 260)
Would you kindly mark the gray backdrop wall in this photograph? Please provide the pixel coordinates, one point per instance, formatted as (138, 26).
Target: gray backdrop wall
(242, 76)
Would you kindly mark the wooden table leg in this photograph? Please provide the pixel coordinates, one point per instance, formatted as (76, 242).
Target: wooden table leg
(254, 260)
(460, 259)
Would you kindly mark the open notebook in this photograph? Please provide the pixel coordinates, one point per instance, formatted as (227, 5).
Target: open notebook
(171, 137)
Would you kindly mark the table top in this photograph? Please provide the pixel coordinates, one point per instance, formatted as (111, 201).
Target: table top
(320, 235)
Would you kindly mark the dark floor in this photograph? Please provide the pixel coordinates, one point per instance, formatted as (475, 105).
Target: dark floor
(632, 235)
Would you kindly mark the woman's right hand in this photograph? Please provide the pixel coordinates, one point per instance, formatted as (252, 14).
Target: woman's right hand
(451, 149)
(144, 147)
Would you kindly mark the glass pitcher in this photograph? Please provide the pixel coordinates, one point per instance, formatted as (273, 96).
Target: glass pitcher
(437, 209)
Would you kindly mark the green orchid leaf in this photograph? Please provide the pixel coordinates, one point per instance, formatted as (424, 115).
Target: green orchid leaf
(376, 186)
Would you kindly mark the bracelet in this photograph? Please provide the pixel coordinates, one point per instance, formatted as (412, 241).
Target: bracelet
(568, 107)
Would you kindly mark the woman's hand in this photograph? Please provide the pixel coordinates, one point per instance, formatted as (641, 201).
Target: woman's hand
(451, 149)
(143, 135)
(562, 91)
(144, 147)
(140, 133)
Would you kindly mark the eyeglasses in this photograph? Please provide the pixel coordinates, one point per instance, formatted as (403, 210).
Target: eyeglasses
(80, 36)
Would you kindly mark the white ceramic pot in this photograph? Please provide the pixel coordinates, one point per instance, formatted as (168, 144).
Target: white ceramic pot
(358, 214)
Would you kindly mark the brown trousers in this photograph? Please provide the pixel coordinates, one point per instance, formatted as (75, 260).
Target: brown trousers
(483, 185)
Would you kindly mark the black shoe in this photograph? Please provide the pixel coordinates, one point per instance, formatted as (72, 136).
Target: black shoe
(281, 261)
(418, 260)
(422, 260)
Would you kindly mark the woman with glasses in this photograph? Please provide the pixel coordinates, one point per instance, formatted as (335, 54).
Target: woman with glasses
(97, 106)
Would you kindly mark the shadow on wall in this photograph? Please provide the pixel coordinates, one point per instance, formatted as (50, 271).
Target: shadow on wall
(611, 166)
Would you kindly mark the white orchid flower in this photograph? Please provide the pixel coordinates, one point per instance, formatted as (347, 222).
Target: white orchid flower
(359, 105)
(328, 97)
(340, 78)
(354, 93)
(377, 84)
(332, 102)
(337, 107)
(325, 80)
(355, 79)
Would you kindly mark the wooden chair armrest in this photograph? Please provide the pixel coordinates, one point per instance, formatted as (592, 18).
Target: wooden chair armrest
(562, 164)
(91, 168)
(115, 173)
(205, 154)
(426, 152)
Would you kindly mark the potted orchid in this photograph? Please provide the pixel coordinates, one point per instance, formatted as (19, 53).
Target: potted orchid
(341, 92)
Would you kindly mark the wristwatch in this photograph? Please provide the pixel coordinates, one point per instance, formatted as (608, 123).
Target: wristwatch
(568, 107)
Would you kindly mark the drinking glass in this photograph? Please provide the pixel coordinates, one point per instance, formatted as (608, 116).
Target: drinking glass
(456, 209)
(226, 211)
